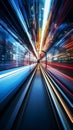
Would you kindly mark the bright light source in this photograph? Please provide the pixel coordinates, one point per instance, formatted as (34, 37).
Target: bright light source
(46, 13)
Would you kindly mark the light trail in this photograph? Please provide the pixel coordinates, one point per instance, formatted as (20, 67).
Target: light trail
(66, 98)
(65, 88)
(61, 65)
(60, 73)
(60, 99)
(55, 101)
(62, 39)
(69, 45)
(46, 13)
(15, 71)
(23, 24)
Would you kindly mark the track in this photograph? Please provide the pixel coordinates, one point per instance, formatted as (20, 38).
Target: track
(38, 104)
(38, 113)
(30, 108)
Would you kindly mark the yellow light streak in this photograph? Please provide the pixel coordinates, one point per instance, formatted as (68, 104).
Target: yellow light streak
(61, 100)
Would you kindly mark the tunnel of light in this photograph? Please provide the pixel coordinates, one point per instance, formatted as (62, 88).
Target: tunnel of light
(36, 61)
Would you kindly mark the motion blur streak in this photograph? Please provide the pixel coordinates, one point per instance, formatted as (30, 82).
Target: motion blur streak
(61, 73)
(69, 92)
(61, 100)
(46, 13)
(36, 64)
(55, 102)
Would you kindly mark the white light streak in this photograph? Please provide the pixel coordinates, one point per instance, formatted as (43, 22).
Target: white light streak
(46, 13)
(16, 71)
(22, 21)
